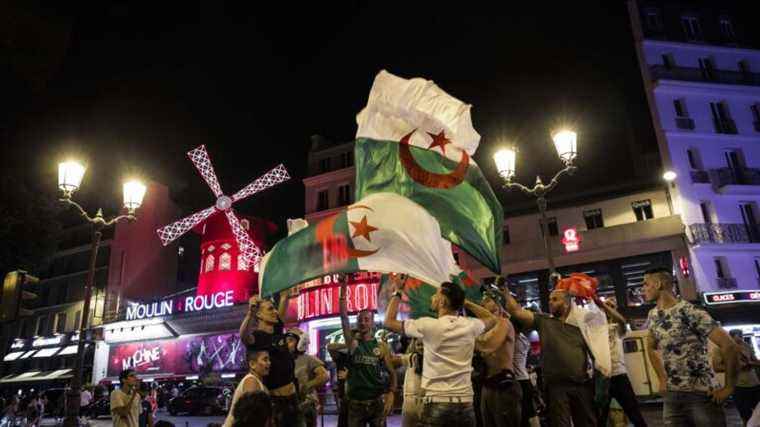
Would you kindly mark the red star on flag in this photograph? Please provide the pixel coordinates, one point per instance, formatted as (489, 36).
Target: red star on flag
(361, 228)
(439, 140)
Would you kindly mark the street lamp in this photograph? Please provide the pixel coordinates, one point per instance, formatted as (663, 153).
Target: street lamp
(565, 141)
(669, 177)
(70, 174)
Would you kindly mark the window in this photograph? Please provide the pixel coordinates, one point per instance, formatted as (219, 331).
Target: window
(60, 323)
(720, 271)
(668, 62)
(324, 164)
(77, 320)
(707, 67)
(692, 29)
(757, 267)
(706, 209)
(551, 225)
(652, 19)
(347, 159)
(727, 29)
(722, 118)
(344, 195)
(680, 106)
(505, 235)
(209, 263)
(593, 218)
(241, 264)
(744, 67)
(734, 161)
(225, 262)
(322, 200)
(41, 324)
(755, 109)
(749, 217)
(642, 209)
(694, 161)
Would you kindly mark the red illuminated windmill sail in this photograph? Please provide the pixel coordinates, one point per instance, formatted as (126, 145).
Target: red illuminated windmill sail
(202, 162)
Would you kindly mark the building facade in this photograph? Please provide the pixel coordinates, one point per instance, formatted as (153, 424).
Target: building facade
(700, 70)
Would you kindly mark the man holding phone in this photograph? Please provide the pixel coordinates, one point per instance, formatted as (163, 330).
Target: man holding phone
(125, 401)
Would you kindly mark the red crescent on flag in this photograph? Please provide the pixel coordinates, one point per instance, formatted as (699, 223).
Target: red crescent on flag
(427, 178)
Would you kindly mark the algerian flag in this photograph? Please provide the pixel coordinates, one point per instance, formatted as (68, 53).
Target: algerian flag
(384, 233)
(417, 294)
(416, 140)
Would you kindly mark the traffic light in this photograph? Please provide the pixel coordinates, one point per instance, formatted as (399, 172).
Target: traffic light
(14, 295)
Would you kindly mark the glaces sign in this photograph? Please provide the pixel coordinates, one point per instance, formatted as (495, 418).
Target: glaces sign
(324, 301)
(713, 298)
(180, 305)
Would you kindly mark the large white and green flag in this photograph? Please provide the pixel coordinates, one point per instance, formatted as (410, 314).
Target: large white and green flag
(416, 140)
(383, 232)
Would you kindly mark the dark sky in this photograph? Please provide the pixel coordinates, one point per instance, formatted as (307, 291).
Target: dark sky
(133, 86)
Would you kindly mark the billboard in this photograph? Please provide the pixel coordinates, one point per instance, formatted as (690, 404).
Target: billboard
(181, 356)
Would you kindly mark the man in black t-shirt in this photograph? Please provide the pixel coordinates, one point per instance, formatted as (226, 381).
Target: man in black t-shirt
(262, 330)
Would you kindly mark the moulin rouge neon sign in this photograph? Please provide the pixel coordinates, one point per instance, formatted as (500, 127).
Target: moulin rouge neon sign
(180, 305)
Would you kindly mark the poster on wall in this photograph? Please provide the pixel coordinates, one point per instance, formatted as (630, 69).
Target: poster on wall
(182, 356)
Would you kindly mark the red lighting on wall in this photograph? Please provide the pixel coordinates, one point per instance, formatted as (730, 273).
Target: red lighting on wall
(683, 263)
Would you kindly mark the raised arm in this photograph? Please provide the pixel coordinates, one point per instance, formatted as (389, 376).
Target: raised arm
(730, 357)
(249, 322)
(390, 396)
(613, 314)
(349, 339)
(391, 312)
(481, 313)
(656, 361)
(282, 309)
(525, 317)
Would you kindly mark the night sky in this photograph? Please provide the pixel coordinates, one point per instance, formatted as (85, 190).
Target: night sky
(132, 86)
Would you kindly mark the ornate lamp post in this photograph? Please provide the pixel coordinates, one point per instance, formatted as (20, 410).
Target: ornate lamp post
(565, 141)
(70, 174)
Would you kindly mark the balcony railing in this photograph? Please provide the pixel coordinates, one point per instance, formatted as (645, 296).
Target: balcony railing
(726, 283)
(685, 123)
(697, 75)
(735, 176)
(700, 177)
(723, 233)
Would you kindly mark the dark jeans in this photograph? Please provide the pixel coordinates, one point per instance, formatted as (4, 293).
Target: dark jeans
(363, 413)
(622, 391)
(746, 399)
(448, 415)
(501, 407)
(528, 409)
(682, 408)
(571, 401)
(286, 412)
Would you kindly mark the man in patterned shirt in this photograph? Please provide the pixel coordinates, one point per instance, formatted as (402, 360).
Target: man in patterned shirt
(680, 331)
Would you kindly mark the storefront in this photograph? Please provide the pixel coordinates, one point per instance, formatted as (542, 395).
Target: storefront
(42, 362)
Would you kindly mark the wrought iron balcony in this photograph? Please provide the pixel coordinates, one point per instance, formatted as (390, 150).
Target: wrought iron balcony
(731, 176)
(723, 233)
(726, 283)
(697, 75)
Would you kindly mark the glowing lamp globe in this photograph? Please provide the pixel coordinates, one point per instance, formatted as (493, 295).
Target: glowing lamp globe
(669, 176)
(70, 174)
(505, 162)
(134, 192)
(565, 141)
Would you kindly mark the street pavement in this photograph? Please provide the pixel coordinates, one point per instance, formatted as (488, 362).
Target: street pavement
(652, 413)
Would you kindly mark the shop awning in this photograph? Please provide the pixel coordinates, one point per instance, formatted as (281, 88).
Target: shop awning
(37, 376)
(28, 354)
(47, 352)
(71, 349)
(13, 356)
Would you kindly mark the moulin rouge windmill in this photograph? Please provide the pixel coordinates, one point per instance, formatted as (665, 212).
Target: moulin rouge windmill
(248, 250)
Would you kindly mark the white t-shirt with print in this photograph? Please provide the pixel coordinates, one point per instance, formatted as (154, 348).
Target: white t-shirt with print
(449, 342)
(617, 356)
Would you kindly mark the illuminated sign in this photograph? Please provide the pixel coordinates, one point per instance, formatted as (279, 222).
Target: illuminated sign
(571, 240)
(683, 263)
(323, 301)
(184, 304)
(714, 298)
(18, 343)
(41, 342)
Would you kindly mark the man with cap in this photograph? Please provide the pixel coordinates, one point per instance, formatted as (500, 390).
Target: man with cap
(501, 395)
(125, 401)
(310, 373)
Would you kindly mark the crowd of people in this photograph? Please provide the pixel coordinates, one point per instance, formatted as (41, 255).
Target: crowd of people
(466, 366)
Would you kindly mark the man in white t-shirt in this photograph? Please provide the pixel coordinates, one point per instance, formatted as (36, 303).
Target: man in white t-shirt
(620, 386)
(125, 402)
(449, 342)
